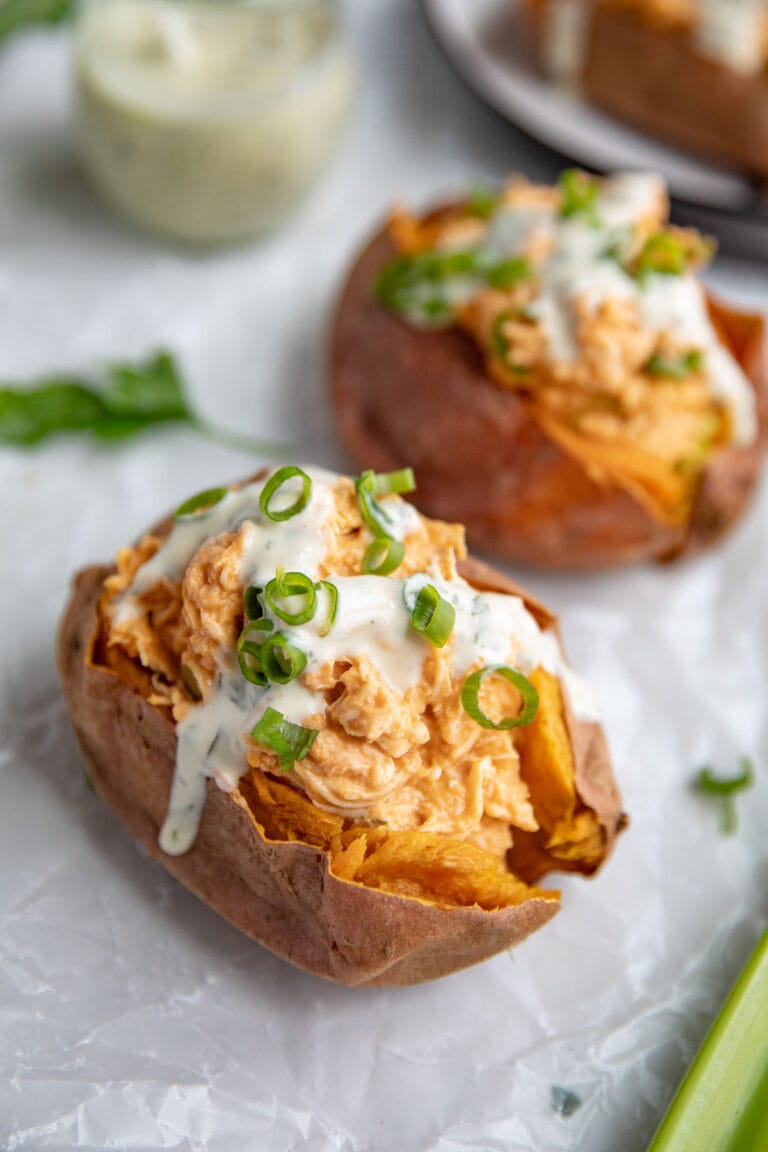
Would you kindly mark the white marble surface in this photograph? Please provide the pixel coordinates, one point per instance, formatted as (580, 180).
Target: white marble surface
(130, 1016)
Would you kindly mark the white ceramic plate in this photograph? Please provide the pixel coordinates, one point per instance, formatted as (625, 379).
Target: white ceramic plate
(486, 42)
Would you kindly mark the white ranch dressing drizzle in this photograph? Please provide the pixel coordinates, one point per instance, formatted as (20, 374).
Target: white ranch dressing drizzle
(725, 30)
(580, 267)
(373, 619)
(566, 38)
(730, 31)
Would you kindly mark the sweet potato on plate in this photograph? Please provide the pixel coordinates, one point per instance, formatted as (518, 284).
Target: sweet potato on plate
(671, 69)
(338, 891)
(513, 456)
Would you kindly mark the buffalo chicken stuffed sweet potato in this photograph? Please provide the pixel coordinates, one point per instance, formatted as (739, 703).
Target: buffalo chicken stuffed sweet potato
(692, 71)
(359, 745)
(549, 361)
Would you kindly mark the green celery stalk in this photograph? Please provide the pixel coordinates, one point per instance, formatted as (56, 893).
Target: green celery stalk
(722, 1104)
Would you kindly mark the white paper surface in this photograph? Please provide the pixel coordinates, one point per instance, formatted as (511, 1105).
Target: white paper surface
(131, 1017)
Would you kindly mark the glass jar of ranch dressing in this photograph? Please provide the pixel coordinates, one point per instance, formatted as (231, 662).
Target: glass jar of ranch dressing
(209, 120)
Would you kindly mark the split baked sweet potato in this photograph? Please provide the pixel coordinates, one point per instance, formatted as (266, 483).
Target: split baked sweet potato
(695, 74)
(538, 404)
(388, 827)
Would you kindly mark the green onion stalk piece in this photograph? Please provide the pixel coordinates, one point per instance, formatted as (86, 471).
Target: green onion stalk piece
(726, 790)
(272, 488)
(290, 741)
(286, 586)
(201, 502)
(722, 1104)
(470, 697)
(433, 616)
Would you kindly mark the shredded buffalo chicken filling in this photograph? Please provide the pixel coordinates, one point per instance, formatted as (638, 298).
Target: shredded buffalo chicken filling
(385, 765)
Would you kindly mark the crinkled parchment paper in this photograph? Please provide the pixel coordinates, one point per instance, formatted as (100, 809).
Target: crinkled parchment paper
(131, 1017)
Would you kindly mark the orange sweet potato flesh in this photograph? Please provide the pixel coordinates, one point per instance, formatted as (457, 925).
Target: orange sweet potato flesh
(653, 77)
(358, 906)
(404, 394)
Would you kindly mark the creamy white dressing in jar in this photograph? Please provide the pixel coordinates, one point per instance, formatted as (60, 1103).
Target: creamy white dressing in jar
(373, 620)
(209, 121)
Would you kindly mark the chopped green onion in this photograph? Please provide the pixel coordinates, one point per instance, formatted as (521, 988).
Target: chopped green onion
(371, 484)
(470, 697)
(202, 501)
(499, 342)
(676, 367)
(376, 517)
(483, 202)
(385, 483)
(273, 486)
(661, 253)
(382, 556)
(252, 603)
(333, 604)
(249, 651)
(286, 585)
(281, 661)
(580, 194)
(433, 616)
(437, 308)
(403, 284)
(500, 346)
(508, 272)
(725, 790)
(290, 741)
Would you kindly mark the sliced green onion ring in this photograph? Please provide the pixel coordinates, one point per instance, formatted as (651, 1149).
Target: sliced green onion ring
(385, 483)
(286, 585)
(433, 616)
(252, 603)
(470, 697)
(273, 486)
(249, 651)
(200, 502)
(290, 741)
(377, 519)
(382, 556)
(281, 661)
(369, 485)
(333, 605)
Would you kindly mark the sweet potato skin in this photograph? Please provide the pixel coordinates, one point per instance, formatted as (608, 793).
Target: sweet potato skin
(656, 80)
(283, 895)
(404, 394)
